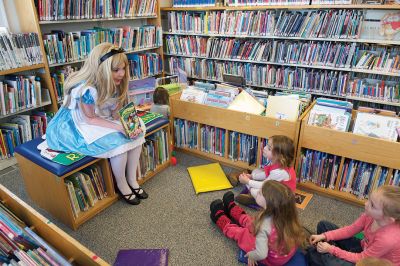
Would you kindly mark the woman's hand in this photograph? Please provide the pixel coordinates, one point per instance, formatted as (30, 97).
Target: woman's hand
(323, 247)
(250, 262)
(314, 239)
(135, 133)
(244, 178)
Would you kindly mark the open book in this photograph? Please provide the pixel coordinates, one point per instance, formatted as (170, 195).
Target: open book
(129, 119)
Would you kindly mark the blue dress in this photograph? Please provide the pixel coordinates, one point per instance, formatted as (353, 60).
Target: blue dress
(69, 132)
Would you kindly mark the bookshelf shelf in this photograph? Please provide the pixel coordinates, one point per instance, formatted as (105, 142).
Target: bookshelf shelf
(347, 146)
(127, 52)
(47, 22)
(371, 41)
(289, 7)
(21, 69)
(24, 110)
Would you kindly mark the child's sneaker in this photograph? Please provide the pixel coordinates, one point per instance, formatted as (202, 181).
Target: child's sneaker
(231, 209)
(218, 215)
(245, 199)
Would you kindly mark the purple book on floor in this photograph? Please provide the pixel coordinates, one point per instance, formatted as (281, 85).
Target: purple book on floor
(142, 257)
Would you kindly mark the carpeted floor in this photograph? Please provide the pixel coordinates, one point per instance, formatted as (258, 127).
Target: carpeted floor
(173, 217)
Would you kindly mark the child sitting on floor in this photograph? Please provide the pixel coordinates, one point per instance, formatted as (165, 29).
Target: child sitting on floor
(280, 151)
(381, 226)
(273, 236)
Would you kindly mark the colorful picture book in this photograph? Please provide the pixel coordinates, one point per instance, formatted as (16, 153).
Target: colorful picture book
(129, 119)
(148, 117)
(377, 126)
(63, 158)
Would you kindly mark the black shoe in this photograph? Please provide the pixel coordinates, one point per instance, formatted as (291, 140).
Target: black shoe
(227, 199)
(136, 191)
(217, 210)
(130, 198)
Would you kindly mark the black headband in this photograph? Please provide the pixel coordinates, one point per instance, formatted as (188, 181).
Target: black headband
(113, 51)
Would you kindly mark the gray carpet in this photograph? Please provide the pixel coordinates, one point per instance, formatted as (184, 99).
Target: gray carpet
(173, 217)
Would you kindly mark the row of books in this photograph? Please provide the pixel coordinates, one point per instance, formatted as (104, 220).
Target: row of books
(85, 188)
(58, 78)
(154, 153)
(21, 92)
(213, 140)
(186, 134)
(144, 65)
(19, 49)
(193, 3)
(62, 47)
(20, 245)
(337, 115)
(242, 147)
(334, 83)
(92, 9)
(22, 128)
(356, 177)
(311, 53)
(305, 24)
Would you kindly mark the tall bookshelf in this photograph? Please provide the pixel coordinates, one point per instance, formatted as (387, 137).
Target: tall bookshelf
(112, 19)
(22, 18)
(189, 33)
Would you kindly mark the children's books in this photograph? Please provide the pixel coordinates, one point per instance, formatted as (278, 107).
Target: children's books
(148, 117)
(377, 126)
(244, 102)
(59, 157)
(129, 119)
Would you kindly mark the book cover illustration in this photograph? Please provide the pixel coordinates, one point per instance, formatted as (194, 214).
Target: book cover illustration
(63, 158)
(129, 119)
(148, 117)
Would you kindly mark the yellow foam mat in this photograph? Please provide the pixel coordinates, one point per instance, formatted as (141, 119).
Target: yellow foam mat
(208, 177)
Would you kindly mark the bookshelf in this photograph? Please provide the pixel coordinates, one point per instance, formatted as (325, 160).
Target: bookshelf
(202, 41)
(346, 146)
(54, 196)
(257, 126)
(21, 18)
(108, 27)
(71, 249)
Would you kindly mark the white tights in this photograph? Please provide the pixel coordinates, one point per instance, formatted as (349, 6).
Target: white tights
(123, 164)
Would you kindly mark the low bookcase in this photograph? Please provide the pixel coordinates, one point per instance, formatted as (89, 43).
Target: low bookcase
(48, 189)
(231, 121)
(346, 146)
(71, 249)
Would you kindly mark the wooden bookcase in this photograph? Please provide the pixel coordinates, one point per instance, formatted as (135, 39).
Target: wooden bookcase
(254, 125)
(346, 145)
(22, 19)
(71, 249)
(54, 198)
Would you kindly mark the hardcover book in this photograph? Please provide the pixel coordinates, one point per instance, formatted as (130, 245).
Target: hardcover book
(129, 119)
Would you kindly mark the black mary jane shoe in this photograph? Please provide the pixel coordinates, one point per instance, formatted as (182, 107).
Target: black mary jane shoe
(128, 198)
(142, 195)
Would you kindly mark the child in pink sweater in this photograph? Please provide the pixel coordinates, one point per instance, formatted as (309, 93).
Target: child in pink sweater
(380, 224)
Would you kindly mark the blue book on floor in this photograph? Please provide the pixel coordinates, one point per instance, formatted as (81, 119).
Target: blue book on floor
(142, 257)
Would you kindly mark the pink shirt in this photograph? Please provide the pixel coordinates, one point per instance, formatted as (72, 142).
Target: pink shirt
(383, 243)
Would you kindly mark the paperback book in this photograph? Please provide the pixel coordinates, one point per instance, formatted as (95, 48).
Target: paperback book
(129, 119)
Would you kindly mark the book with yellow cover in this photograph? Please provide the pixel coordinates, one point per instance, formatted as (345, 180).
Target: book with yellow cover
(283, 107)
(208, 177)
(244, 102)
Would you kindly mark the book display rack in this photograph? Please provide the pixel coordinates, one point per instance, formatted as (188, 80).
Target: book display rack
(71, 249)
(344, 165)
(238, 141)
